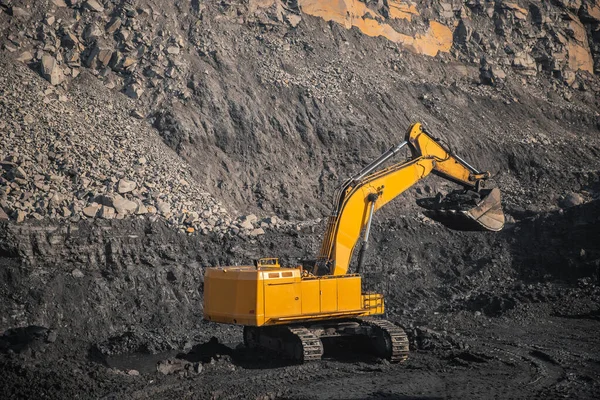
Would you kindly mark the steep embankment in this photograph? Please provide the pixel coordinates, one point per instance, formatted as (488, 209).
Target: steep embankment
(271, 106)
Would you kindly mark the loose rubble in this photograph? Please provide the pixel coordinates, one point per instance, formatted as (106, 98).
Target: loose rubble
(45, 168)
(133, 50)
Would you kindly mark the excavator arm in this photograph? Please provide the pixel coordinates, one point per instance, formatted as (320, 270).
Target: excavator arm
(370, 189)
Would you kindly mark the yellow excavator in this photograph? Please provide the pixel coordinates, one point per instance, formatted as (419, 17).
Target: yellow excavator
(290, 310)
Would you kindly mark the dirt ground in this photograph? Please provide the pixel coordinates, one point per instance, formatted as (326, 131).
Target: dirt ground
(486, 317)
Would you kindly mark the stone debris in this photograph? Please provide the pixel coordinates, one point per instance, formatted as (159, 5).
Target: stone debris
(133, 174)
(178, 366)
(131, 51)
(120, 42)
(77, 273)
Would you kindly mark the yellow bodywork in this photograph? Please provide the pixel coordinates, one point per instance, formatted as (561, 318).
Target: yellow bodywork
(257, 296)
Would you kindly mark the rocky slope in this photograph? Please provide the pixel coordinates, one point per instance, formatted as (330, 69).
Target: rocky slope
(267, 107)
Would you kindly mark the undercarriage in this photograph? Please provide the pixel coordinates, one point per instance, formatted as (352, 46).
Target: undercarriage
(304, 342)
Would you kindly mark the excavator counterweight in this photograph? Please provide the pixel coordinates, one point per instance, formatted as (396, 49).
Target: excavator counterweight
(290, 310)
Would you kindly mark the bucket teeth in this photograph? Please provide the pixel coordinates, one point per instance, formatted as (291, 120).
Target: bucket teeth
(462, 212)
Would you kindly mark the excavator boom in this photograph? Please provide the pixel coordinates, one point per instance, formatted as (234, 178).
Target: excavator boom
(371, 189)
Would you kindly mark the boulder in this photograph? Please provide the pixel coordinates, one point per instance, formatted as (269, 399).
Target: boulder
(293, 19)
(173, 50)
(25, 57)
(76, 273)
(571, 200)
(92, 32)
(246, 225)
(51, 71)
(21, 215)
(93, 5)
(105, 200)
(113, 25)
(271, 221)
(3, 215)
(163, 207)
(107, 212)
(134, 91)
(590, 11)
(92, 210)
(69, 41)
(20, 173)
(167, 367)
(525, 64)
(257, 232)
(141, 208)
(126, 186)
(128, 62)
(100, 56)
(19, 12)
(124, 206)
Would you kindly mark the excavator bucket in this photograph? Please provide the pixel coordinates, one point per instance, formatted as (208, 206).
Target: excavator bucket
(467, 210)
(488, 212)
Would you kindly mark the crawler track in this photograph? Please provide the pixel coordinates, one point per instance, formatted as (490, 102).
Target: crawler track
(311, 347)
(394, 337)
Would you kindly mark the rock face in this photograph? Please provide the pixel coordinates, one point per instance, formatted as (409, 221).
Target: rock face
(277, 132)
